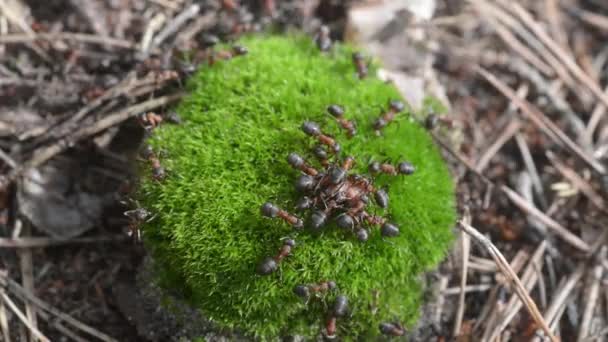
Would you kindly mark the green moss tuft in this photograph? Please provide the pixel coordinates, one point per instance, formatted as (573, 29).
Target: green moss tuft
(241, 121)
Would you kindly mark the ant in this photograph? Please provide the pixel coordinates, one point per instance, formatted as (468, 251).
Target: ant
(381, 197)
(158, 171)
(338, 112)
(304, 203)
(322, 39)
(173, 118)
(394, 108)
(298, 163)
(305, 183)
(235, 51)
(150, 120)
(319, 217)
(433, 120)
(403, 168)
(136, 218)
(271, 264)
(392, 329)
(339, 310)
(312, 129)
(360, 65)
(304, 291)
(270, 210)
(321, 153)
(338, 174)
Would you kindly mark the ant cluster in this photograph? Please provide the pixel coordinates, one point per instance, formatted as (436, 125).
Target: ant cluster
(332, 192)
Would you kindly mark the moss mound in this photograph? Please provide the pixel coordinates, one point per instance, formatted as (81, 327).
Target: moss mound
(229, 156)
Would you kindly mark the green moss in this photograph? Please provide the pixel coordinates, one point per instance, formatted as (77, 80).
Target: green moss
(241, 121)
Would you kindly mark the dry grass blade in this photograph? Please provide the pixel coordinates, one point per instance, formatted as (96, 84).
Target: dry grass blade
(505, 136)
(560, 230)
(591, 297)
(37, 242)
(566, 59)
(35, 332)
(27, 277)
(78, 37)
(110, 120)
(540, 120)
(577, 181)
(510, 275)
(28, 296)
(465, 253)
(4, 322)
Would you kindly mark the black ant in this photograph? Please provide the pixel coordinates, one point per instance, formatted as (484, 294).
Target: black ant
(403, 168)
(381, 197)
(319, 217)
(298, 163)
(360, 65)
(304, 291)
(305, 183)
(321, 153)
(338, 174)
(270, 210)
(339, 310)
(392, 329)
(271, 264)
(322, 39)
(313, 130)
(394, 108)
(338, 112)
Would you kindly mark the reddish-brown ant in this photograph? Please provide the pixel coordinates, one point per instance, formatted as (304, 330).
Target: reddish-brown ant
(360, 65)
(158, 171)
(270, 210)
(271, 264)
(339, 310)
(338, 113)
(313, 130)
(150, 120)
(235, 51)
(322, 39)
(394, 108)
(136, 218)
(304, 291)
(392, 329)
(403, 168)
(298, 163)
(433, 120)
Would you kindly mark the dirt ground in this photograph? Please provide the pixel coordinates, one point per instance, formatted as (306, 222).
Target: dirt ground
(526, 137)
